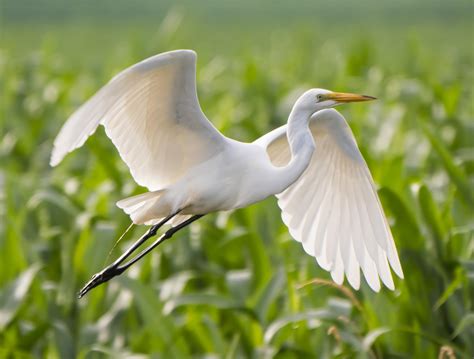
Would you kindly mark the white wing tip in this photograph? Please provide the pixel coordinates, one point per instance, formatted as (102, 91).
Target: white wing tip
(354, 279)
(55, 159)
(400, 274)
(182, 52)
(165, 57)
(390, 285)
(397, 268)
(337, 277)
(355, 285)
(189, 51)
(375, 285)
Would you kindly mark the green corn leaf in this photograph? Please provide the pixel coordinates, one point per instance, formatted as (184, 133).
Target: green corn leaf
(432, 218)
(206, 299)
(454, 171)
(282, 322)
(270, 292)
(14, 294)
(372, 336)
(464, 324)
(452, 287)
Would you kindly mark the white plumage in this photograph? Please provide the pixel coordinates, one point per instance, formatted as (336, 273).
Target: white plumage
(151, 113)
(333, 208)
(324, 188)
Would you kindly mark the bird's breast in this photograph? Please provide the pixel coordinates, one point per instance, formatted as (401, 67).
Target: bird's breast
(230, 180)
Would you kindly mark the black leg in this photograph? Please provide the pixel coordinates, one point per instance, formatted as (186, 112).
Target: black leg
(168, 234)
(116, 269)
(151, 232)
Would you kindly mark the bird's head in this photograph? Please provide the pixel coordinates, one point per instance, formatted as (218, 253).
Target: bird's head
(318, 99)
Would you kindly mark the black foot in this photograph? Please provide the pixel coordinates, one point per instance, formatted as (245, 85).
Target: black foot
(99, 278)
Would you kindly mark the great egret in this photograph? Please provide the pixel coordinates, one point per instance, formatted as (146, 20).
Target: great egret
(312, 165)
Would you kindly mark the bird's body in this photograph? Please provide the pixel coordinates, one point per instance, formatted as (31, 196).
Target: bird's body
(231, 181)
(238, 175)
(324, 188)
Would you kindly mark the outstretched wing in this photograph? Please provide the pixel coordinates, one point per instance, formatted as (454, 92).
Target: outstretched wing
(151, 113)
(333, 208)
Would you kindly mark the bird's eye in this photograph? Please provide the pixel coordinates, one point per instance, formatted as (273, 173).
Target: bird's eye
(319, 97)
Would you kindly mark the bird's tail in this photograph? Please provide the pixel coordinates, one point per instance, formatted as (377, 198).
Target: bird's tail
(144, 208)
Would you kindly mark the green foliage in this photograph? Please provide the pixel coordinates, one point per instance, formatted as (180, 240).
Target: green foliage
(236, 285)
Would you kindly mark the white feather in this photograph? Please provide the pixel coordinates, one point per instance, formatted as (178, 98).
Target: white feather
(151, 113)
(333, 208)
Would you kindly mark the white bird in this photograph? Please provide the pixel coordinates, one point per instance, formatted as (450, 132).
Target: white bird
(312, 165)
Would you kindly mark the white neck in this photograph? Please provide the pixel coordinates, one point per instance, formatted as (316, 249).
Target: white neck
(301, 147)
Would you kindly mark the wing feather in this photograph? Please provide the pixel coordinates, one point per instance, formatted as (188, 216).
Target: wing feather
(151, 113)
(333, 208)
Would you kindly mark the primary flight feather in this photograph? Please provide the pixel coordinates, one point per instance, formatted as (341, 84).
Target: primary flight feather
(312, 165)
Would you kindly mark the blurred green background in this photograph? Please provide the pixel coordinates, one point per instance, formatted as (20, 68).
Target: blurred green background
(236, 285)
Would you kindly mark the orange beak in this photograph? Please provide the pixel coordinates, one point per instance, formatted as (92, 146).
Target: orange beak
(348, 97)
